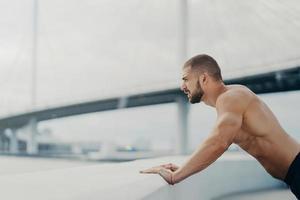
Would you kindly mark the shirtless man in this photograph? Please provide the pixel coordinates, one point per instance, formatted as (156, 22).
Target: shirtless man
(243, 119)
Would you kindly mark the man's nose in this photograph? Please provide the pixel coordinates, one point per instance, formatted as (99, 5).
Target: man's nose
(183, 87)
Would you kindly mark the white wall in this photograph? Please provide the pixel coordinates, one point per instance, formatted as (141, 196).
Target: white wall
(123, 181)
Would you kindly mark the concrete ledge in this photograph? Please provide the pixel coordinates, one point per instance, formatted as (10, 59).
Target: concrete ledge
(123, 181)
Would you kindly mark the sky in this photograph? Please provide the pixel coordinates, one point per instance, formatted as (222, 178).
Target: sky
(93, 49)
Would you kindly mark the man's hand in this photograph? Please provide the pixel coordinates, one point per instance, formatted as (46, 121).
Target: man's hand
(166, 171)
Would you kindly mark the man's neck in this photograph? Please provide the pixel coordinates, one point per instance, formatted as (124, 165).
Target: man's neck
(216, 90)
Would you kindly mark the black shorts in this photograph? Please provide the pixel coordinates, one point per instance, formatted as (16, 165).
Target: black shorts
(293, 176)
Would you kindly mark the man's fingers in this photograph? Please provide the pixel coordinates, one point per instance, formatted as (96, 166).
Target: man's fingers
(167, 166)
(146, 171)
(170, 166)
(174, 167)
(154, 170)
(162, 171)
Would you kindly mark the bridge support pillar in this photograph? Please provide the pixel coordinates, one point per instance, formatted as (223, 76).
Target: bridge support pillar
(32, 146)
(13, 140)
(1, 141)
(182, 135)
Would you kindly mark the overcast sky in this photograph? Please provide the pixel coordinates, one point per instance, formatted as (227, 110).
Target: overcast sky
(94, 49)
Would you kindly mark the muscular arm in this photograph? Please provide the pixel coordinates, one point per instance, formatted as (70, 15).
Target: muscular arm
(227, 126)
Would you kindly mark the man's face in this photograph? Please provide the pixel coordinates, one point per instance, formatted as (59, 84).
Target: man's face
(191, 85)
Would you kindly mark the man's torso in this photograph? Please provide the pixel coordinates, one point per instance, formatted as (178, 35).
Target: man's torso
(262, 136)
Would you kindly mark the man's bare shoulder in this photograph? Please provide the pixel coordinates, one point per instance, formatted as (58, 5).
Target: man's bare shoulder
(236, 97)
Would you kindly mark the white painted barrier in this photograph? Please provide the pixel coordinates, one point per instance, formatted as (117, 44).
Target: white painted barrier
(123, 181)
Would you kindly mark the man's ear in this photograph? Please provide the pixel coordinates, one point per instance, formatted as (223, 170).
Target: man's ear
(203, 78)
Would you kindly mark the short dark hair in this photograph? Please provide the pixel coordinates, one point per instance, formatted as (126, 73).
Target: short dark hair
(205, 63)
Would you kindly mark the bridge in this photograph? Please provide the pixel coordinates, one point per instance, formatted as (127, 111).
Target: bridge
(275, 81)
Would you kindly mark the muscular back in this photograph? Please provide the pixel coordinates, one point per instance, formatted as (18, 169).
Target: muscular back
(261, 135)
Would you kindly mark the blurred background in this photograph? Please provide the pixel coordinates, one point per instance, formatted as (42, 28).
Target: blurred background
(55, 54)
(98, 81)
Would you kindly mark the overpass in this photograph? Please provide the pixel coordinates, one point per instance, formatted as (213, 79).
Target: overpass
(275, 81)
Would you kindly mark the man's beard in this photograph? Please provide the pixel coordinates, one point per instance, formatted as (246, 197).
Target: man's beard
(196, 97)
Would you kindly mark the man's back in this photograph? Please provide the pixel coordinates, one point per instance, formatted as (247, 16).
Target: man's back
(261, 134)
